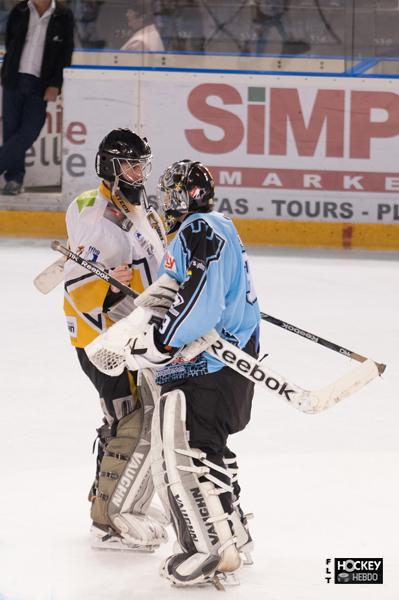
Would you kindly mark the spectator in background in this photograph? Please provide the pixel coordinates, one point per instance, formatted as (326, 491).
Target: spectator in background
(145, 36)
(86, 14)
(180, 23)
(5, 7)
(39, 44)
(269, 14)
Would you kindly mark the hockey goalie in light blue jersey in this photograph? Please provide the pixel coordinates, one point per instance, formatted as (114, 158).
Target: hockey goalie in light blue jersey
(202, 401)
(209, 261)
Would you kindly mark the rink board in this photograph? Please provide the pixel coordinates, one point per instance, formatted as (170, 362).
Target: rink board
(51, 224)
(297, 161)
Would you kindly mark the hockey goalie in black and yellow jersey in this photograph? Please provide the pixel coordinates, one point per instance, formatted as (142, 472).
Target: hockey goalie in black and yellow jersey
(115, 227)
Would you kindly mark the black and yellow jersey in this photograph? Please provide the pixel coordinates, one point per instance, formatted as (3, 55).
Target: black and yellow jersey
(104, 235)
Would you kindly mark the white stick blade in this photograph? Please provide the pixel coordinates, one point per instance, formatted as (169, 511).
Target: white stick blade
(345, 386)
(50, 277)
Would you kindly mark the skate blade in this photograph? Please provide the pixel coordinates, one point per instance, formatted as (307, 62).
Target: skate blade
(221, 581)
(118, 547)
(246, 553)
(246, 559)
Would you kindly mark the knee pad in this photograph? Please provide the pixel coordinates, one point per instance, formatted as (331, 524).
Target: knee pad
(192, 493)
(125, 487)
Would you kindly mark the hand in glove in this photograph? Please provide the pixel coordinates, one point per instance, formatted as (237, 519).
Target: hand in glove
(159, 296)
(142, 352)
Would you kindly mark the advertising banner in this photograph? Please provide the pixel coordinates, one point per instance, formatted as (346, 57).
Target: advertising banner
(280, 148)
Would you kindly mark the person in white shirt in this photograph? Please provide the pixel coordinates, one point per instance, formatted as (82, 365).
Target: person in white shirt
(39, 44)
(145, 36)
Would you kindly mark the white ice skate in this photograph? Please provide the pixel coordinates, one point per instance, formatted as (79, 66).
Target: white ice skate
(108, 539)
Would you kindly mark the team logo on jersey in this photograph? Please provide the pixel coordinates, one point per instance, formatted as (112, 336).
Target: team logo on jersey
(198, 264)
(144, 243)
(72, 328)
(139, 237)
(170, 263)
(92, 254)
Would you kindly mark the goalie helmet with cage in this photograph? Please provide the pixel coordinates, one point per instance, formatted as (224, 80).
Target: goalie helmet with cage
(124, 159)
(185, 187)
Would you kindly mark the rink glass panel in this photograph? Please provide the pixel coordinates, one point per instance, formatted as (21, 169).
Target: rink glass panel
(336, 36)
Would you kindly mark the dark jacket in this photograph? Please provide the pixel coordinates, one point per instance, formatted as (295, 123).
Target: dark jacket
(58, 45)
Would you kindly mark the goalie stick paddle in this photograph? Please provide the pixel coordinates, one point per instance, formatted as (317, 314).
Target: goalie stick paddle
(304, 400)
(50, 277)
(319, 340)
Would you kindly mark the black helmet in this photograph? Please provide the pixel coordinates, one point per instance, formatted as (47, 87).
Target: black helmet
(185, 187)
(119, 152)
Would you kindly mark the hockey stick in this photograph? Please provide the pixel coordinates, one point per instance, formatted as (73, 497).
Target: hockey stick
(108, 353)
(52, 275)
(90, 266)
(283, 324)
(318, 340)
(308, 401)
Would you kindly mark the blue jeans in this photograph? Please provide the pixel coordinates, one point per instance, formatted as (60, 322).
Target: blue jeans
(24, 114)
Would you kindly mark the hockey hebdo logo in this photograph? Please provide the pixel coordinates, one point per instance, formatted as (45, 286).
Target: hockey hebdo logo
(355, 570)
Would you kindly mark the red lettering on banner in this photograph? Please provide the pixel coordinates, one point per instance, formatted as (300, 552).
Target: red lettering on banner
(303, 179)
(363, 129)
(76, 130)
(256, 129)
(228, 122)
(328, 109)
(326, 119)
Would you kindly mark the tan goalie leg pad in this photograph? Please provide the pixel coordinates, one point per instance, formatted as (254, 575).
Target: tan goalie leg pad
(117, 454)
(125, 488)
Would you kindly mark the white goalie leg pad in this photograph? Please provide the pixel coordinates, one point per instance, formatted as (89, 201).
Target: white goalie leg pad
(158, 460)
(202, 526)
(126, 488)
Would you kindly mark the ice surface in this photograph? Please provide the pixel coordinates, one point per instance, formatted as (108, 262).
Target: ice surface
(320, 485)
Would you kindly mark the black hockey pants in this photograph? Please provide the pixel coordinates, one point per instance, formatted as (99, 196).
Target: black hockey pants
(218, 404)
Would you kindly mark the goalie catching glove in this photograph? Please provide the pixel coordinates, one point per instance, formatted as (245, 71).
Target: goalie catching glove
(143, 351)
(146, 352)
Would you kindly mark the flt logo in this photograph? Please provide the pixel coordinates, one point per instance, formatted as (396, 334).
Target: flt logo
(355, 570)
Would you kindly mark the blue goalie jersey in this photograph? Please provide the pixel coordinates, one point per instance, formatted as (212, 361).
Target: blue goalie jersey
(216, 291)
